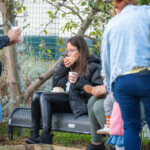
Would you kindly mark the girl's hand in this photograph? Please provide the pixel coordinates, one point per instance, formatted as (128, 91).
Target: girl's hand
(99, 91)
(73, 77)
(68, 61)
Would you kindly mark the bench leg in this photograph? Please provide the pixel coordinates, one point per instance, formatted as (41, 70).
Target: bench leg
(10, 133)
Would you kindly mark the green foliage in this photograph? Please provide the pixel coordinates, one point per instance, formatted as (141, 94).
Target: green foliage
(91, 4)
(68, 26)
(60, 41)
(18, 7)
(51, 15)
(143, 2)
(83, 3)
(70, 139)
(45, 31)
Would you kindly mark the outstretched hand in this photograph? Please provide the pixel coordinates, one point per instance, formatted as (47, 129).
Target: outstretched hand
(14, 35)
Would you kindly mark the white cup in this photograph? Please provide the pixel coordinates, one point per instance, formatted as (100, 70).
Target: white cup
(71, 74)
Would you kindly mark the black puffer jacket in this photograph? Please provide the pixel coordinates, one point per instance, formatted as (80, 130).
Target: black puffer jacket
(78, 98)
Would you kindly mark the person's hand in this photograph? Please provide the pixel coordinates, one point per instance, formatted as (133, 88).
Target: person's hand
(72, 77)
(14, 35)
(68, 61)
(99, 91)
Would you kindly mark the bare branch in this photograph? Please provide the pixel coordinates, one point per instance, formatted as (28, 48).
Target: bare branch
(108, 1)
(72, 11)
(50, 21)
(74, 4)
(89, 37)
(57, 6)
(20, 5)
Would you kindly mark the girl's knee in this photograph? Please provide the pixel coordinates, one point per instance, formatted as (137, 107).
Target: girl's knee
(98, 106)
(36, 97)
(42, 97)
(91, 102)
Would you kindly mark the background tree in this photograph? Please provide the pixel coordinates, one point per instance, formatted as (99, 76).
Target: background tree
(93, 14)
(13, 68)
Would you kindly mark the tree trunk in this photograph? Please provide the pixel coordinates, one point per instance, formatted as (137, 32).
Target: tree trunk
(85, 25)
(13, 68)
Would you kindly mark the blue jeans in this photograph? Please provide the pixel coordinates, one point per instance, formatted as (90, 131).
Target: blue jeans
(129, 90)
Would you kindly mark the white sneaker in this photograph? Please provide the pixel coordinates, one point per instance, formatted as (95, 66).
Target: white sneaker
(105, 130)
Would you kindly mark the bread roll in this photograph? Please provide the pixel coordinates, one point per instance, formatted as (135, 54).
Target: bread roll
(58, 89)
(72, 59)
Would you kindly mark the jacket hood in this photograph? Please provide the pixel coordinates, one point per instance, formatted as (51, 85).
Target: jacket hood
(94, 58)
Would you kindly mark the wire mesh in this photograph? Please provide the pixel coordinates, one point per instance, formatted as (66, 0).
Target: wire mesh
(40, 32)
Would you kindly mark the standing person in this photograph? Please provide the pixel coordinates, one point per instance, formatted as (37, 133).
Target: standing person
(87, 68)
(126, 64)
(7, 40)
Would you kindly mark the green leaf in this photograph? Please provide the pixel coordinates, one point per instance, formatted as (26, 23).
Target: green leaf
(24, 8)
(52, 60)
(59, 43)
(92, 33)
(7, 2)
(40, 45)
(50, 14)
(63, 15)
(19, 11)
(61, 50)
(45, 31)
(90, 3)
(86, 9)
(49, 55)
(83, 3)
(61, 39)
(53, 0)
(99, 4)
(49, 51)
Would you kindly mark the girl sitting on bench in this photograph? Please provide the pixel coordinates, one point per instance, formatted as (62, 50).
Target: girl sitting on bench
(85, 69)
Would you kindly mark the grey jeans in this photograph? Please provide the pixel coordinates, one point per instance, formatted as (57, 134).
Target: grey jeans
(97, 117)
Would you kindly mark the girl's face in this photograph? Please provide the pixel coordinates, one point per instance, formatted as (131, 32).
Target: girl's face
(72, 51)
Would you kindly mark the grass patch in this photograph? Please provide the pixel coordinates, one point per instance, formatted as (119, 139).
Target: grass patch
(80, 141)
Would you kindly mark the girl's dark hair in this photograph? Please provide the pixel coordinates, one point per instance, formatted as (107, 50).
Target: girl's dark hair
(82, 47)
(120, 4)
